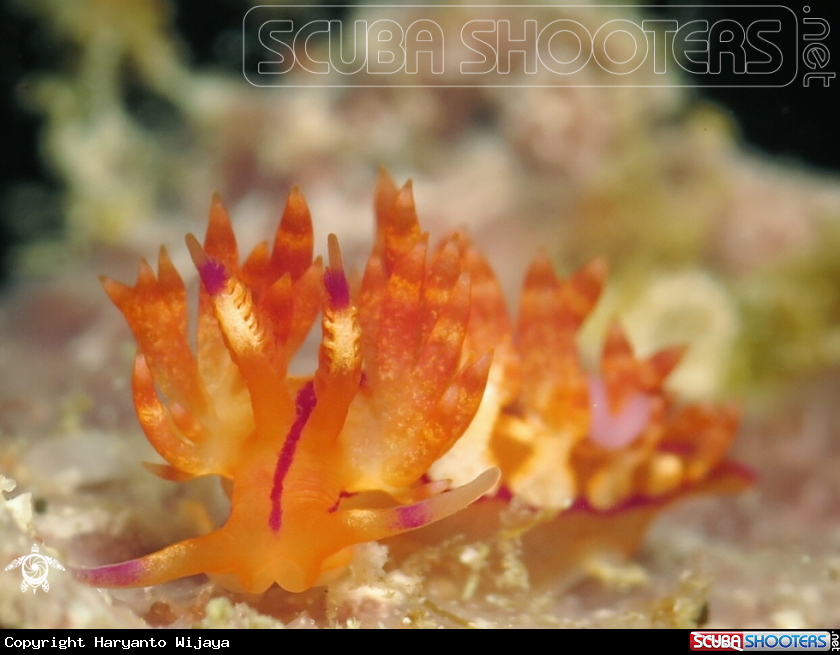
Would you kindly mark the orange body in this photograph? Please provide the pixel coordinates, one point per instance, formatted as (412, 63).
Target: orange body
(421, 380)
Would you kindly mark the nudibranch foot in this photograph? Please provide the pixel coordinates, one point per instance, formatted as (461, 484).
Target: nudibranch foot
(256, 559)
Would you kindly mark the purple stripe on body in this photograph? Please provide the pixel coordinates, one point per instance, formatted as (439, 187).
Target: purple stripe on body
(304, 404)
(341, 496)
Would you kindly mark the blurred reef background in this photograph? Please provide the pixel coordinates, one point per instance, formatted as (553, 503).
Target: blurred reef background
(718, 210)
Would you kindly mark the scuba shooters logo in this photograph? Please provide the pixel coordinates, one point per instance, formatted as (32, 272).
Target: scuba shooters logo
(787, 640)
(429, 46)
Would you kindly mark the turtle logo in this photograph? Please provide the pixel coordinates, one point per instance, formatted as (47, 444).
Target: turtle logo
(35, 569)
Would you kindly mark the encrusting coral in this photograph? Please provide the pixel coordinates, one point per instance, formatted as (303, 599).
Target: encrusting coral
(421, 381)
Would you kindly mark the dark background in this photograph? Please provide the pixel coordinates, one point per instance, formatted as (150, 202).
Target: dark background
(794, 124)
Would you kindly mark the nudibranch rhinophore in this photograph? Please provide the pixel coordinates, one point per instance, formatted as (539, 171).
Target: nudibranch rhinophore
(425, 398)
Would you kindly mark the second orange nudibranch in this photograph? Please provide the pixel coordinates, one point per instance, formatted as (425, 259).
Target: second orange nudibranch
(421, 380)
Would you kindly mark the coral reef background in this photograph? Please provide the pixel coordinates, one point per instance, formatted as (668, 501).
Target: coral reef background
(722, 227)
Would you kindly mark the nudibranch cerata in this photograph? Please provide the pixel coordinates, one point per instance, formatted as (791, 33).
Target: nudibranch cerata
(425, 398)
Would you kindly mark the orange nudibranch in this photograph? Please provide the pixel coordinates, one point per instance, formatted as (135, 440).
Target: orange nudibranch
(424, 393)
